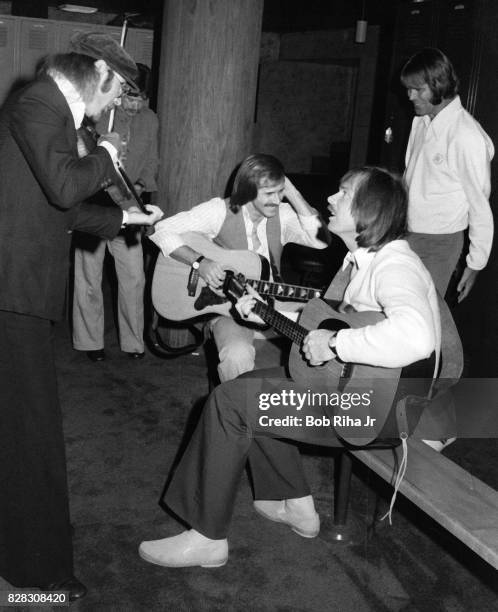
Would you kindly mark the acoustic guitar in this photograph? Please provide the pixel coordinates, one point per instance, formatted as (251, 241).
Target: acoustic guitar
(316, 314)
(169, 283)
(380, 383)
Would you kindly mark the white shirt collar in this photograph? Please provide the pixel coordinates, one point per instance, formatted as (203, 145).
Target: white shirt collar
(444, 117)
(73, 98)
(360, 257)
(248, 220)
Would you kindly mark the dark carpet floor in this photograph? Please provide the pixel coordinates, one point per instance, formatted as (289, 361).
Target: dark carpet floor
(124, 422)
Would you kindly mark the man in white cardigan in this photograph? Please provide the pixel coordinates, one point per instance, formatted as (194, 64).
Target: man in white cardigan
(448, 174)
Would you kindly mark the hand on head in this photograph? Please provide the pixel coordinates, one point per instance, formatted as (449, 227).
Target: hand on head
(289, 188)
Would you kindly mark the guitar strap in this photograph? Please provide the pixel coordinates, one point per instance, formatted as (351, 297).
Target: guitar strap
(193, 280)
(337, 287)
(274, 270)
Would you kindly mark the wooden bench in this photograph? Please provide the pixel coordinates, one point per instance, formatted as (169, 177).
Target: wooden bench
(460, 502)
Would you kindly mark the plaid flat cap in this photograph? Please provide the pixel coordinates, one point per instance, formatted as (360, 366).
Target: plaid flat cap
(102, 46)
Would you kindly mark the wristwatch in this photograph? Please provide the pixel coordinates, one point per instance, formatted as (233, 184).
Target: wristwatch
(193, 277)
(197, 262)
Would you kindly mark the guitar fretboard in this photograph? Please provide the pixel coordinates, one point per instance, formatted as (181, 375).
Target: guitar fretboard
(295, 332)
(281, 323)
(281, 290)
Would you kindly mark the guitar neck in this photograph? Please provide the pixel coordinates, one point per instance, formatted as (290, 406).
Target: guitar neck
(281, 290)
(280, 322)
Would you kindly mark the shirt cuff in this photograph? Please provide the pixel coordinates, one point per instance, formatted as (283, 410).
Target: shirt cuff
(475, 263)
(111, 149)
(124, 223)
(333, 343)
(338, 348)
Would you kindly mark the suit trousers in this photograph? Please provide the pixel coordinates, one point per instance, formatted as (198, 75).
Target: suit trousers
(232, 430)
(88, 303)
(35, 538)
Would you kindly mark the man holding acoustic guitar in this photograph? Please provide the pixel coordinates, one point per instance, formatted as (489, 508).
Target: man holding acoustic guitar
(387, 282)
(254, 218)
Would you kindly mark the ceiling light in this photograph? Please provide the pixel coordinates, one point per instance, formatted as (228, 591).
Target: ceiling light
(77, 8)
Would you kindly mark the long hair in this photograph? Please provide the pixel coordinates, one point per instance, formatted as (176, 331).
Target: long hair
(434, 68)
(79, 69)
(255, 171)
(379, 206)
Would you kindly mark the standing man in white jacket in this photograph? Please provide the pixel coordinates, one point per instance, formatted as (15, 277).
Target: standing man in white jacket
(448, 174)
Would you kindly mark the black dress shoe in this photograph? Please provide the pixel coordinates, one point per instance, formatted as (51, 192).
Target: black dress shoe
(136, 355)
(75, 589)
(96, 355)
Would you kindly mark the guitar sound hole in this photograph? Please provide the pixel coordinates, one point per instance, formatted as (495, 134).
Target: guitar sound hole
(333, 325)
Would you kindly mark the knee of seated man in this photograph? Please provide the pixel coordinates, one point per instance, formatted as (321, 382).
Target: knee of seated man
(231, 403)
(225, 393)
(241, 353)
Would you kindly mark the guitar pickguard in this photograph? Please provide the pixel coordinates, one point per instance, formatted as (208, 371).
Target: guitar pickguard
(207, 297)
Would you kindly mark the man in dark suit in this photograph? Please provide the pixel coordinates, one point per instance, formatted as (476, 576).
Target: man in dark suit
(42, 186)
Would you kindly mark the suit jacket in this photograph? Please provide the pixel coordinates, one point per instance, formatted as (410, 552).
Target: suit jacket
(42, 185)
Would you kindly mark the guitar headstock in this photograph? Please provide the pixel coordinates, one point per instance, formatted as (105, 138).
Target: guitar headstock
(234, 285)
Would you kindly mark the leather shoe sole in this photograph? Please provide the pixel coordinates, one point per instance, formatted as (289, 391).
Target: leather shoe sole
(74, 588)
